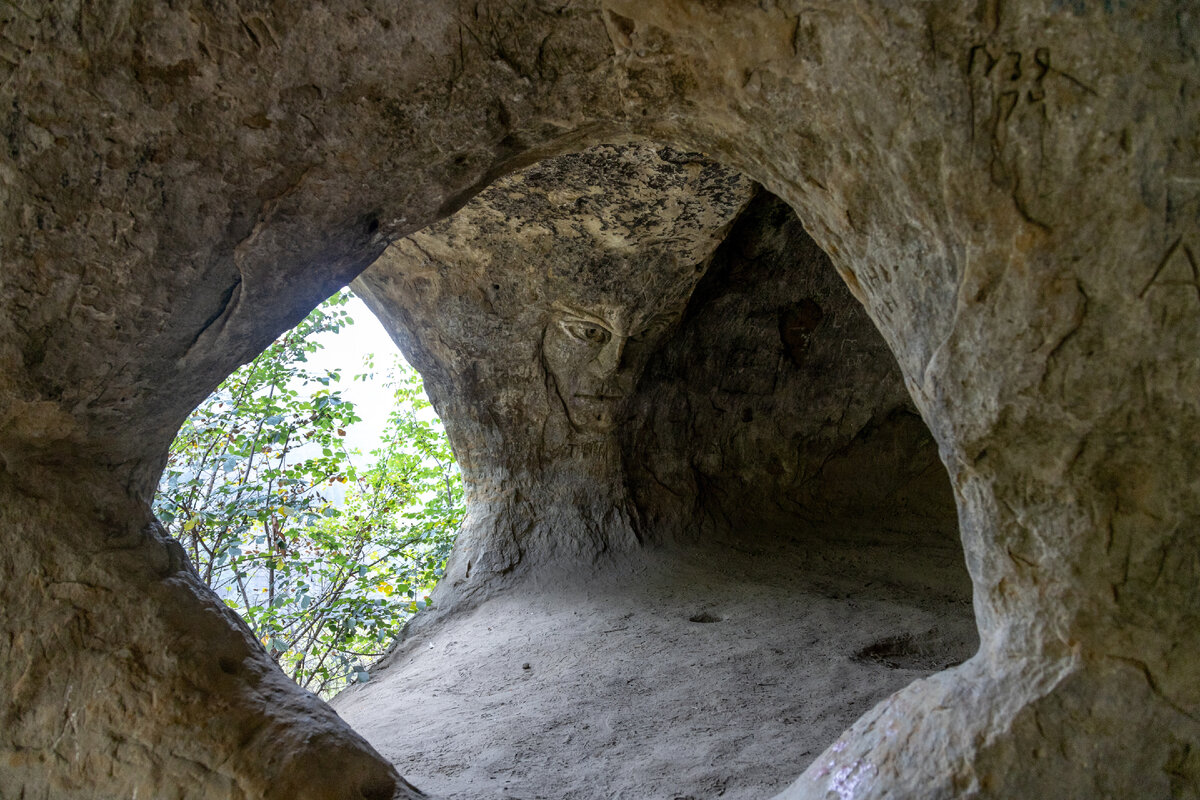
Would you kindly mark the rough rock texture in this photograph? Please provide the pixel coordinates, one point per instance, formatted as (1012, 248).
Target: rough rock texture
(777, 405)
(598, 402)
(1011, 190)
(531, 314)
(136, 682)
(600, 252)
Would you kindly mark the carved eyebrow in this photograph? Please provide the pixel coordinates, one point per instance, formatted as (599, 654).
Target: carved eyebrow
(656, 321)
(581, 315)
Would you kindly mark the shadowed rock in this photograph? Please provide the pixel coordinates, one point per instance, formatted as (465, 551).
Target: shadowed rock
(1010, 191)
(532, 313)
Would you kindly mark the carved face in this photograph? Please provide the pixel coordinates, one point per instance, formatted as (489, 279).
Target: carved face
(595, 357)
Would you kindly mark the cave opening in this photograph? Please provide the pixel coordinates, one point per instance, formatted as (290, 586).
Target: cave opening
(744, 525)
(1011, 192)
(315, 493)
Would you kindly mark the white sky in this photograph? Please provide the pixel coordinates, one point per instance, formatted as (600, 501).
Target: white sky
(372, 399)
(348, 349)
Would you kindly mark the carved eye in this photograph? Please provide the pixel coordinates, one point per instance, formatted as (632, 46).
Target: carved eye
(585, 331)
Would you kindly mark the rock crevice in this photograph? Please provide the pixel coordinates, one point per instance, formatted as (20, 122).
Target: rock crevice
(1009, 190)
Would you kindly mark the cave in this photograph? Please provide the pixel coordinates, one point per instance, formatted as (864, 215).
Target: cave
(689, 452)
(823, 378)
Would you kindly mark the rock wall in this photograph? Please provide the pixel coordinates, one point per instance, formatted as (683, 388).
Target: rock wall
(618, 362)
(777, 407)
(531, 314)
(1010, 189)
(135, 681)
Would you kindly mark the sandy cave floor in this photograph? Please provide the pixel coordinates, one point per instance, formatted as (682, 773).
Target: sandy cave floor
(720, 671)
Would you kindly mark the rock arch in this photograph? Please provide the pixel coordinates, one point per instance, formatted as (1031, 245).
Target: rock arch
(1010, 190)
(670, 411)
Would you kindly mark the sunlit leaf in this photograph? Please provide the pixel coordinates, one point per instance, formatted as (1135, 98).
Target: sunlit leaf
(238, 483)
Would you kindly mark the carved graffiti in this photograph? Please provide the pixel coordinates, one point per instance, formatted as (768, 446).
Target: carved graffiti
(1011, 94)
(796, 326)
(1178, 268)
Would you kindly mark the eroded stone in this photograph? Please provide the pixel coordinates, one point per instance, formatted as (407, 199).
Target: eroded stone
(1010, 190)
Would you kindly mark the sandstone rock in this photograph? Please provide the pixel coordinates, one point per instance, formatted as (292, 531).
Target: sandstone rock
(1010, 189)
(645, 392)
(534, 310)
(778, 405)
(532, 313)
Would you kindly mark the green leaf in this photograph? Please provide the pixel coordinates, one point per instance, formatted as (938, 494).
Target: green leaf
(253, 501)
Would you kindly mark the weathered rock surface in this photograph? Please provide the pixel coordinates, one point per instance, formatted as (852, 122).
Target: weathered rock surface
(531, 313)
(135, 681)
(777, 405)
(1010, 189)
(651, 371)
(768, 397)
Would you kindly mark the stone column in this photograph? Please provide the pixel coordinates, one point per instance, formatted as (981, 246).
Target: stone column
(531, 314)
(1010, 189)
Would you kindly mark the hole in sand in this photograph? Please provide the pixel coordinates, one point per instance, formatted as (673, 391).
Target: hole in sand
(930, 650)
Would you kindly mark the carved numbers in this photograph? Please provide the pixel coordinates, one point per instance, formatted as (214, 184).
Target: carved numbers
(1013, 94)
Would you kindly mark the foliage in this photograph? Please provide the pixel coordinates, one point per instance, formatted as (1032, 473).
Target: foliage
(324, 560)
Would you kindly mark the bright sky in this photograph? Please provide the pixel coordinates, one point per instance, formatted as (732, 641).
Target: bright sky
(348, 349)
(372, 399)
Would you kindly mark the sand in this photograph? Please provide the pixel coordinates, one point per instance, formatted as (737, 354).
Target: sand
(698, 672)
